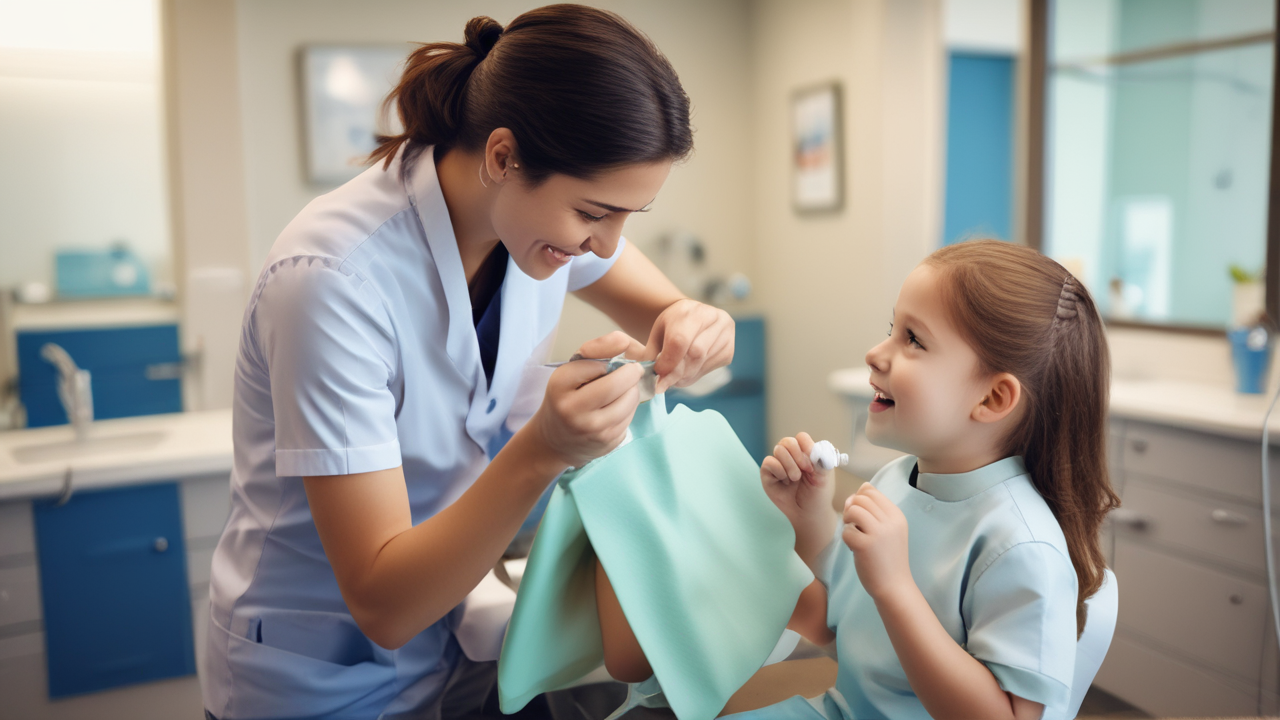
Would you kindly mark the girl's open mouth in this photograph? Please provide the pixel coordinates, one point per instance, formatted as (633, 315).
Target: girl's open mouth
(880, 403)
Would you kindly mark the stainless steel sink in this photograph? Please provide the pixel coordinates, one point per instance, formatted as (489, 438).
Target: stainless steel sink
(92, 446)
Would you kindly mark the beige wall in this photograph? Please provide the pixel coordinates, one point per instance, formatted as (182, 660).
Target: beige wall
(707, 42)
(828, 282)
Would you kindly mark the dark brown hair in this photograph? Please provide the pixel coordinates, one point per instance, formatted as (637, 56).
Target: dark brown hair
(580, 88)
(1024, 314)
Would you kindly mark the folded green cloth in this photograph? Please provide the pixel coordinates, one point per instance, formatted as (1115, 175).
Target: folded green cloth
(701, 560)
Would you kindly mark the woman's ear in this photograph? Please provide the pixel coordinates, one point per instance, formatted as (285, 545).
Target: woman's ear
(500, 154)
(1002, 398)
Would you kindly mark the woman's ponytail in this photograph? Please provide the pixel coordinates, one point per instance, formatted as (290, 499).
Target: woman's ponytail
(429, 97)
(581, 90)
(1025, 314)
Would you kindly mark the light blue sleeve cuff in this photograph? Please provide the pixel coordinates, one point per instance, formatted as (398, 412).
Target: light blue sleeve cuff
(340, 461)
(1033, 686)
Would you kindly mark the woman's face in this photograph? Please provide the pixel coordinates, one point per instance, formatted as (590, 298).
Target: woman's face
(927, 377)
(544, 226)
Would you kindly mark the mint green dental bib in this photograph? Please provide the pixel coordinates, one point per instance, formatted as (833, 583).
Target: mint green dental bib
(701, 560)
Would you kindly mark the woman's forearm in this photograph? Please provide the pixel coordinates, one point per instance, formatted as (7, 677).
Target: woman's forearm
(949, 681)
(633, 293)
(423, 571)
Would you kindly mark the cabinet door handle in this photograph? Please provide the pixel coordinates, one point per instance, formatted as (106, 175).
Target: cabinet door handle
(161, 544)
(1139, 446)
(1129, 519)
(1226, 517)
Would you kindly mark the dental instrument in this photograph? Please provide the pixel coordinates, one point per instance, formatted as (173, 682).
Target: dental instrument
(648, 381)
(825, 456)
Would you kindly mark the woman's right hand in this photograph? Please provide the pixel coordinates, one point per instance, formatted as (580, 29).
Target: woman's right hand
(585, 413)
(802, 492)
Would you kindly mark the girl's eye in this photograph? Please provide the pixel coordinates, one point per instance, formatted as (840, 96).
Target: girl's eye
(913, 340)
(589, 217)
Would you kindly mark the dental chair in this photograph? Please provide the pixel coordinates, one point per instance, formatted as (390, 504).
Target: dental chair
(1092, 647)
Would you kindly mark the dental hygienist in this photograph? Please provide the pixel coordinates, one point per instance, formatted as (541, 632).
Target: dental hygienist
(393, 337)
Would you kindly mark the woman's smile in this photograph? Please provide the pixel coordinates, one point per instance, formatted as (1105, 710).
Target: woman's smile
(556, 255)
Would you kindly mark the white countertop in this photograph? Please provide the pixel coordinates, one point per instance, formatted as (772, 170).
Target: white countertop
(1206, 408)
(166, 447)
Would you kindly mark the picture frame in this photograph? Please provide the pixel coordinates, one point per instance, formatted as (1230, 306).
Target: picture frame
(817, 149)
(342, 88)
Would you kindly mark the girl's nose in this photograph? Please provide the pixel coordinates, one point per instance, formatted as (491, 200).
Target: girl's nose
(877, 358)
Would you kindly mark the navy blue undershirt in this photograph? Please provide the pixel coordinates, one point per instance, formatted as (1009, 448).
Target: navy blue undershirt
(486, 293)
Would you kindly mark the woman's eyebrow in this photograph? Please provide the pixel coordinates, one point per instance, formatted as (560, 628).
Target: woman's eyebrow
(615, 208)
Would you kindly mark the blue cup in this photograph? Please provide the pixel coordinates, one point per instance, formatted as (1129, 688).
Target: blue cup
(1251, 353)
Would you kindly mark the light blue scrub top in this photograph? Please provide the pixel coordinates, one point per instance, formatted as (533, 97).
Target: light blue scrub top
(989, 556)
(358, 353)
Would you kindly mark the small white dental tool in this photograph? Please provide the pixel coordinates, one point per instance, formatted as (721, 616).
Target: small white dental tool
(825, 456)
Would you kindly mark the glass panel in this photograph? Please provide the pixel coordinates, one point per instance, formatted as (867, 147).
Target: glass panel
(1158, 169)
(81, 143)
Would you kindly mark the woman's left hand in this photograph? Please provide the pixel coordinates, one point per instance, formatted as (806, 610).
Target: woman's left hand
(689, 339)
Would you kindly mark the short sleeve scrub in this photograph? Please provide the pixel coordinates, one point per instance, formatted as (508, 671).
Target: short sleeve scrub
(358, 352)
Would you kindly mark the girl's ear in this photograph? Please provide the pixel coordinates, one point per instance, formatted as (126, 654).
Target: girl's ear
(1002, 398)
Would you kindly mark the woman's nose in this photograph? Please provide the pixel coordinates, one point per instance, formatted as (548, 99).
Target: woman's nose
(603, 244)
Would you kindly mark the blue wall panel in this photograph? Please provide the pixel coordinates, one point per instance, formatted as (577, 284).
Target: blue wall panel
(979, 190)
(117, 360)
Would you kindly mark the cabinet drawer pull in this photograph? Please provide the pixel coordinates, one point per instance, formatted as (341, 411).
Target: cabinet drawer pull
(1129, 519)
(161, 544)
(1226, 517)
(1139, 446)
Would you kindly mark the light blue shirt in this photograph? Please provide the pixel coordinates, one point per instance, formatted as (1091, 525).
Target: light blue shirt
(358, 353)
(989, 556)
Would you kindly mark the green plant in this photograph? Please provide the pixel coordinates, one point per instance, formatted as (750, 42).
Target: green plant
(1240, 276)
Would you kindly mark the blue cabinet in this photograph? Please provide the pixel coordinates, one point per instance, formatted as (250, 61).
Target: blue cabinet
(113, 578)
(135, 371)
(742, 401)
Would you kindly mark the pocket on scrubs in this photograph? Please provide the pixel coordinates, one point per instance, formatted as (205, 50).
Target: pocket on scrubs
(306, 664)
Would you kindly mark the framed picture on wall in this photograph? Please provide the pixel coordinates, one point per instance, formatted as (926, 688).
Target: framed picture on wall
(342, 91)
(817, 177)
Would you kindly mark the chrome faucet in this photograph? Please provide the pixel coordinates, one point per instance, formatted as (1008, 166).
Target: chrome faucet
(73, 388)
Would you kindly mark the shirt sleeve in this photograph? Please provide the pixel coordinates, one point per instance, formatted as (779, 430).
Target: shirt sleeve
(1021, 620)
(588, 268)
(327, 342)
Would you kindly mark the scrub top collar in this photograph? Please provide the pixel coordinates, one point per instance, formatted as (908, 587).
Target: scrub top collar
(955, 487)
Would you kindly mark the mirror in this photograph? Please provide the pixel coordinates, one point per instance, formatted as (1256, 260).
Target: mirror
(1157, 155)
(82, 186)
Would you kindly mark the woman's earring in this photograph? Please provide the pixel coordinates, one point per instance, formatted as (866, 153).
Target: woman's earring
(480, 173)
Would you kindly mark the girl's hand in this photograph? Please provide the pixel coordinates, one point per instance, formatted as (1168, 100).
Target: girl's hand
(802, 492)
(585, 413)
(876, 532)
(689, 339)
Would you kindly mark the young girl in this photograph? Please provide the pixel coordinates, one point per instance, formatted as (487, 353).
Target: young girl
(962, 591)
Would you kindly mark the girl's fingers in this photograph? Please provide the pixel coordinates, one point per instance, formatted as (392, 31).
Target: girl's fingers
(788, 462)
(806, 443)
(860, 518)
(800, 458)
(773, 468)
(871, 506)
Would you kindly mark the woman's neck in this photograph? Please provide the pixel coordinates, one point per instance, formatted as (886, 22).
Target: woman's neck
(469, 204)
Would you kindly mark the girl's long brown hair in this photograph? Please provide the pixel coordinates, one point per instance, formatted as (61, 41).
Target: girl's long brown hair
(1024, 314)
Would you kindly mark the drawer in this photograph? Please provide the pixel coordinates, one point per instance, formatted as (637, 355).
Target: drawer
(1216, 529)
(1166, 687)
(1208, 462)
(16, 534)
(19, 596)
(1209, 616)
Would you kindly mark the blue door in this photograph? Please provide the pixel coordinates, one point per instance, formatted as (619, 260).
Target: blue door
(113, 580)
